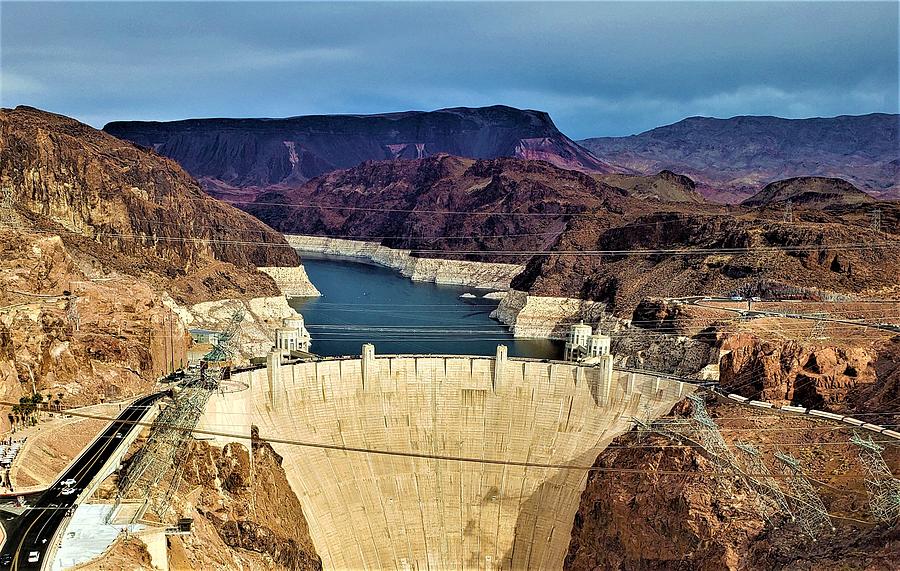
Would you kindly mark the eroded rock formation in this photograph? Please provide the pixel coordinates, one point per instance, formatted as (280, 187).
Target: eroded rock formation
(249, 505)
(97, 191)
(804, 373)
(634, 515)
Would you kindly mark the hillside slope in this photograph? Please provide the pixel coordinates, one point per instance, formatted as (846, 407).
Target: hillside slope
(131, 209)
(103, 236)
(442, 203)
(733, 158)
(809, 191)
(505, 210)
(664, 186)
(236, 158)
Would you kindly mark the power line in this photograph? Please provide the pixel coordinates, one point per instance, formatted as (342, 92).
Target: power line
(629, 252)
(404, 454)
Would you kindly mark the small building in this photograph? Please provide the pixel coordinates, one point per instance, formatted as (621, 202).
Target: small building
(292, 335)
(583, 343)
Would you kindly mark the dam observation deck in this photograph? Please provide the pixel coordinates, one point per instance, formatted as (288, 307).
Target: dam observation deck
(483, 458)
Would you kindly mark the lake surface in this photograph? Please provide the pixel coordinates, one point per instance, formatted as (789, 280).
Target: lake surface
(366, 303)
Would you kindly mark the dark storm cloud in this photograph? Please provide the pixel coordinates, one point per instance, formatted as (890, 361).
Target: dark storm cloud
(598, 68)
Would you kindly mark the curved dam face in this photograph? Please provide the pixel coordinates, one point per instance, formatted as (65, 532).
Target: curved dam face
(371, 511)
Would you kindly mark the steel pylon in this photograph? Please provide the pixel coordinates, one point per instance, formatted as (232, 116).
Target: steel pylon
(809, 511)
(883, 488)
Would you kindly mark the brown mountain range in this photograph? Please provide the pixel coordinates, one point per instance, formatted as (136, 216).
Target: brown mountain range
(237, 158)
(731, 159)
(486, 209)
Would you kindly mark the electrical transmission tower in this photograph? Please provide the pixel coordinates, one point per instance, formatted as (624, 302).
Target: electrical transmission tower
(165, 447)
(809, 511)
(8, 216)
(788, 215)
(875, 215)
(711, 439)
(215, 363)
(883, 487)
(818, 330)
(769, 498)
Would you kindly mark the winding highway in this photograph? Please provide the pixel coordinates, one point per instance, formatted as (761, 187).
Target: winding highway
(28, 543)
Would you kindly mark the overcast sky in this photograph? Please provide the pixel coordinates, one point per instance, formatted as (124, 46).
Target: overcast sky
(598, 68)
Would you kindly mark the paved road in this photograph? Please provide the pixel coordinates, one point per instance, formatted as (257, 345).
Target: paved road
(752, 313)
(36, 528)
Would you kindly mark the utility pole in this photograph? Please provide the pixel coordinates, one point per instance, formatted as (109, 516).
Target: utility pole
(809, 511)
(882, 486)
(72, 313)
(788, 215)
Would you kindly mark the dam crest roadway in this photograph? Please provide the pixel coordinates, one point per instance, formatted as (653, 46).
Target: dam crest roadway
(519, 422)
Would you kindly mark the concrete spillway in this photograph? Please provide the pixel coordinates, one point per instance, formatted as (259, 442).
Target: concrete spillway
(368, 511)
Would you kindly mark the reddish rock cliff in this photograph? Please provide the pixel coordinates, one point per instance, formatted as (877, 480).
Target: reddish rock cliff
(92, 187)
(654, 504)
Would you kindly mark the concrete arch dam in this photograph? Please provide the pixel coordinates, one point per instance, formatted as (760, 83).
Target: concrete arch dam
(368, 511)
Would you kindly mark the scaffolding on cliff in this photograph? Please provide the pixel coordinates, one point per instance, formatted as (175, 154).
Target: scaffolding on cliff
(166, 448)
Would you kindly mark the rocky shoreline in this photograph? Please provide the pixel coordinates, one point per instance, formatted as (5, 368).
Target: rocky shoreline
(480, 275)
(292, 281)
(528, 316)
(542, 316)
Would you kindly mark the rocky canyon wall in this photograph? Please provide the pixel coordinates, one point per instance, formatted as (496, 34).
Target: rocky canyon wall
(292, 281)
(441, 271)
(544, 316)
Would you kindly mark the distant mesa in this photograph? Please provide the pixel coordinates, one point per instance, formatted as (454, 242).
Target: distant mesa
(809, 191)
(732, 159)
(236, 159)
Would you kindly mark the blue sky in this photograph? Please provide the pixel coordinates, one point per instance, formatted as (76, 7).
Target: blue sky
(598, 68)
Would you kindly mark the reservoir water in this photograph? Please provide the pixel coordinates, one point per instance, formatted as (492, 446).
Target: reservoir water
(366, 303)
